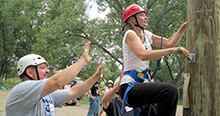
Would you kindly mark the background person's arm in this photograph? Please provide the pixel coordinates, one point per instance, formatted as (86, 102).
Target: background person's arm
(108, 96)
(82, 88)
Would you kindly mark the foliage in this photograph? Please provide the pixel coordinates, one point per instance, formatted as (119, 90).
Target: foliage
(9, 84)
(6, 38)
(58, 29)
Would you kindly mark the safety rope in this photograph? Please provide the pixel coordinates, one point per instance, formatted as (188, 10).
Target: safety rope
(158, 65)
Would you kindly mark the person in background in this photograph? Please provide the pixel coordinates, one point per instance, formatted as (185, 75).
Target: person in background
(67, 86)
(112, 106)
(94, 94)
(105, 89)
(38, 95)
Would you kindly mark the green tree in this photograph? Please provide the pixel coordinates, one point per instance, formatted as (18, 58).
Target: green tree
(57, 30)
(7, 39)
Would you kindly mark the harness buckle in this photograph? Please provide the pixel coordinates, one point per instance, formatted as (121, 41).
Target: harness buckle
(130, 84)
(141, 75)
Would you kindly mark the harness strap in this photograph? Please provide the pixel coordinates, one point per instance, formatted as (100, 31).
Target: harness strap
(125, 98)
(139, 109)
(96, 100)
(139, 77)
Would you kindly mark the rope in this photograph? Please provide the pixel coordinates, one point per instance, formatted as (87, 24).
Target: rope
(158, 66)
(164, 8)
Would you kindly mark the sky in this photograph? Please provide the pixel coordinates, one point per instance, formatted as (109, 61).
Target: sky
(93, 11)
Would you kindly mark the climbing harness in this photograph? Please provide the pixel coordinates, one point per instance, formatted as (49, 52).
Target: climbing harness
(139, 77)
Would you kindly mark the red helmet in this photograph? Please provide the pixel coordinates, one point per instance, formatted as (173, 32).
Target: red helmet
(131, 10)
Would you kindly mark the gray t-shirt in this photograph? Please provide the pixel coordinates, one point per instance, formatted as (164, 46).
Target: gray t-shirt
(24, 100)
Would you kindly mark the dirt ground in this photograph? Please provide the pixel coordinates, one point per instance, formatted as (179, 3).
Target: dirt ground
(78, 110)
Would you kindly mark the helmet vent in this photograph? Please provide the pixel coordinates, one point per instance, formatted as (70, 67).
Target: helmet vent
(29, 60)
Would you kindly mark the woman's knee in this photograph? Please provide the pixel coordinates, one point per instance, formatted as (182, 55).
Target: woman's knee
(172, 91)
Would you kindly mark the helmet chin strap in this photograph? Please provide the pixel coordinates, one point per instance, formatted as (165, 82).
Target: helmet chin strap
(137, 25)
(28, 76)
(37, 74)
(38, 78)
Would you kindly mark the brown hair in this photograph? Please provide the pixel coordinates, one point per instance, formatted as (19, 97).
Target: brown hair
(129, 25)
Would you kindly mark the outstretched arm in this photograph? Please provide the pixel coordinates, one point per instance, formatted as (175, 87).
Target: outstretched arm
(101, 90)
(108, 96)
(60, 79)
(81, 89)
(145, 55)
(172, 41)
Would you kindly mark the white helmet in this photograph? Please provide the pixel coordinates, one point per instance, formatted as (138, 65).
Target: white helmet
(110, 81)
(29, 60)
(117, 80)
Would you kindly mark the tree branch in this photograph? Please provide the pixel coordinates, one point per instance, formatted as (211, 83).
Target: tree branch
(52, 18)
(169, 69)
(179, 75)
(95, 43)
(113, 6)
(149, 5)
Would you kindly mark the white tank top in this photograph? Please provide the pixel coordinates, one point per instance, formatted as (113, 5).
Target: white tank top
(131, 61)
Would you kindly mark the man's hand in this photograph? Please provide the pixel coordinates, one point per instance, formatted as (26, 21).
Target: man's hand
(99, 69)
(86, 56)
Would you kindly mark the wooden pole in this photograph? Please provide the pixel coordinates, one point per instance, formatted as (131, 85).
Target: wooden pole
(203, 39)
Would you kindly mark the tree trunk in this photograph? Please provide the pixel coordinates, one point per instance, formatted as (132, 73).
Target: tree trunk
(203, 39)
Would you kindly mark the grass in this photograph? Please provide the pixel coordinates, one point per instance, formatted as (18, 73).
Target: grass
(180, 102)
(9, 84)
(84, 99)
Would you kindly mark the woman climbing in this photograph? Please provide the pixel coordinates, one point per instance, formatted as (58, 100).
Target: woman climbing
(137, 54)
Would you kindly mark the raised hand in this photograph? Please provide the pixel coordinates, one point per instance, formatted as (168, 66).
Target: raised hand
(86, 56)
(99, 69)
